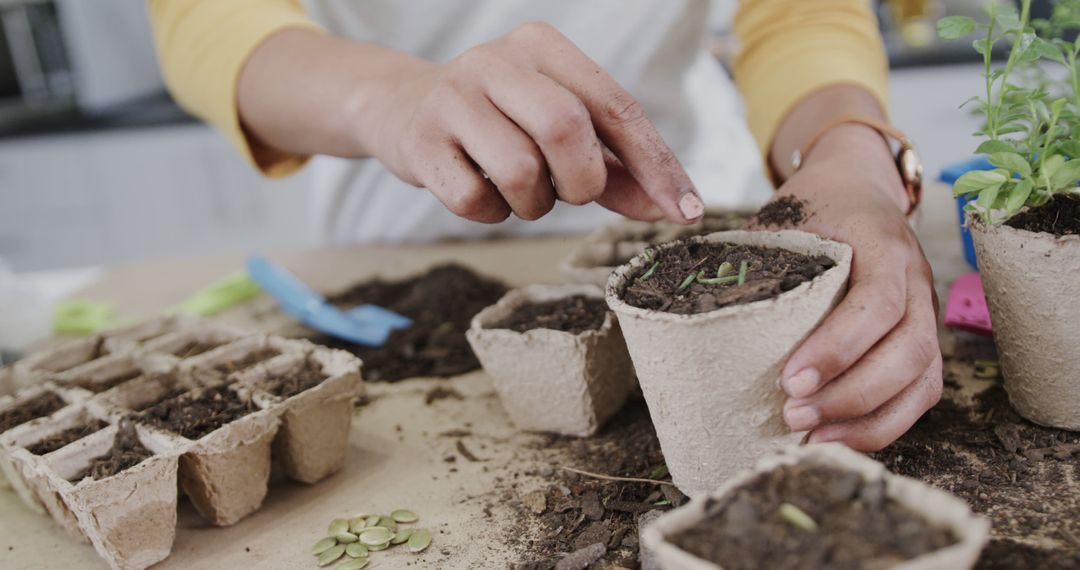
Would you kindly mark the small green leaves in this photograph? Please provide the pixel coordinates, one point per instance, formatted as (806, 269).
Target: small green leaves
(742, 272)
(955, 27)
(993, 146)
(797, 517)
(1018, 196)
(976, 181)
(689, 279)
(650, 271)
(1012, 162)
(725, 269)
(1066, 175)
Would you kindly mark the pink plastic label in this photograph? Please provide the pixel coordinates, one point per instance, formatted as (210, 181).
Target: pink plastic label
(966, 308)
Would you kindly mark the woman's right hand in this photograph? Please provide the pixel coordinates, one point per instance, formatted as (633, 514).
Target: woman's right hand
(513, 125)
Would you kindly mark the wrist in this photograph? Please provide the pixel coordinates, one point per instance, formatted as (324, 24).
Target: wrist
(857, 149)
(367, 112)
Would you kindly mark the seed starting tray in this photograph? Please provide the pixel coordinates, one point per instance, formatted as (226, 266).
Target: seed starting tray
(291, 400)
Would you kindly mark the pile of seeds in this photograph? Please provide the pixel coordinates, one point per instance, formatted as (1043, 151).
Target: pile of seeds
(355, 538)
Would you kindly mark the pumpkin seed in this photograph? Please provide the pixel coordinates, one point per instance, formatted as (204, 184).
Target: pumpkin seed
(345, 537)
(387, 523)
(402, 536)
(378, 547)
(356, 550)
(376, 536)
(356, 564)
(331, 555)
(373, 520)
(357, 523)
(323, 545)
(338, 526)
(420, 539)
(403, 516)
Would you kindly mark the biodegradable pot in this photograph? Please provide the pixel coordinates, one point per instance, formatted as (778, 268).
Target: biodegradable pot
(592, 263)
(711, 380)
(130, 517)
(315, 424)
(939, 508)
(12, 470)
(550, 380)
(1030, 280)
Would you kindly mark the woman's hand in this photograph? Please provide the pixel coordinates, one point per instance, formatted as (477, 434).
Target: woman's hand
(874, 366)
(517, 123)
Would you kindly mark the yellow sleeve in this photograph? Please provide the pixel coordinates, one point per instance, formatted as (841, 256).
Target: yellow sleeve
(203, 45)
(791, 48)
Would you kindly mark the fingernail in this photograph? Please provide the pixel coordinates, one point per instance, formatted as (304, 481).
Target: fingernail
(691, 205)
(818, 437)
(801, 418)
(803, 383)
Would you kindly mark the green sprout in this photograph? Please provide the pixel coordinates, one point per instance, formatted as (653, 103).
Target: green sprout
(725, 269)
(650, 271)
(742, 272)
(798, 517)
(689, 279)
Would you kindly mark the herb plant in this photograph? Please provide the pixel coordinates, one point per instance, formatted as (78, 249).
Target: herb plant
(1031, 127)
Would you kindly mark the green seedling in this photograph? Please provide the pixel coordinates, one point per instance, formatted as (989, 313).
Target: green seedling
(725, 269)
(651, 270)
(742, 272)
(689, 279)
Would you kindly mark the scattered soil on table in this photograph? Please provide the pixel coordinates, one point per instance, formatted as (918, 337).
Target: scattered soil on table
(127, 452)
(195, 348)
(857, 525)
(574, 512)
(32, 409)
(198, 414)
(1024, 477)
(786, 211)
(441, 304)
(305, 375)
(770, 272)
(575, 315)
(70, 435)
(97, 386)
(249, 360)
(1061, 217)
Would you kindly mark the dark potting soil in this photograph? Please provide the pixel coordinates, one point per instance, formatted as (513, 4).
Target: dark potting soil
(32, 409)
(1061, 217)
(441, 304)
(199, 413)
(787, 211)
(305, 375)
(195, 348)
(249, 360)
(770, 272)
(575, 315)
(70, 435)
(97, 386)
(1024, 477)
(574, 513)
(172, 390)
(857, 525)
(126, 452)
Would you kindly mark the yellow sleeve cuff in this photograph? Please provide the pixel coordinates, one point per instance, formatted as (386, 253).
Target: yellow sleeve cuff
(203, 45)
(792, 48)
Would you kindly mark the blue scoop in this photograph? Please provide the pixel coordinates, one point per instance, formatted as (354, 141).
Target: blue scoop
(369, 325)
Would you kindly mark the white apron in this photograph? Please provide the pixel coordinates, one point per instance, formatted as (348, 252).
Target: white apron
(653, 48)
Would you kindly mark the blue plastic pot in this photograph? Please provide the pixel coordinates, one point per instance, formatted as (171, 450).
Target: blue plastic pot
(949, 175)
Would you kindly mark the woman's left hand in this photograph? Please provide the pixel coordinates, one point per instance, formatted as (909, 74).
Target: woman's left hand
(873, 367)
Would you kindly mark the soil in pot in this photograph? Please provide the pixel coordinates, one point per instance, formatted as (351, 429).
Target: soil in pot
(786, 212)
(851, 524)
(98, 386)
(1023, 476)
(693, 277)
(575, 315)
(165, 379)
(32, 409)
(576, 512)
(305, 375)
(198, 414)
(127, 452)
(70, 435)
(195, 348)
(249, 360)
(1061, 217)
(441, 303)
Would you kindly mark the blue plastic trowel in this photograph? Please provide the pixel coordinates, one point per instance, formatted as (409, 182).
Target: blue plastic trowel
(369, 325)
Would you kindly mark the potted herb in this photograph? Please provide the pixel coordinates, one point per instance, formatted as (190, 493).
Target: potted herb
(556, 356)
(1025, 213)
(819, 506)
(709, 322)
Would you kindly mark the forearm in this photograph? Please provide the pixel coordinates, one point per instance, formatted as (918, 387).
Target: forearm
(852, 143)
(305, 92)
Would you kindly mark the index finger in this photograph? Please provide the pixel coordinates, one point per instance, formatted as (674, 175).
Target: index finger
(621, 123)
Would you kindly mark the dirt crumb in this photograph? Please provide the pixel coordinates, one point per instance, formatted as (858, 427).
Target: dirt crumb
(786, 211)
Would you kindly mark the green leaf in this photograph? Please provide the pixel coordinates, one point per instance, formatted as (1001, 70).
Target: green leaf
(976, 181)
(1071, 148)
(987, 197)
(1012, 162)
(990, 147)
(1051, 165)
(1047, 50)
(1057, 106)
(1065, 176)
(982, 46)
(955, 27)
(1018, 196)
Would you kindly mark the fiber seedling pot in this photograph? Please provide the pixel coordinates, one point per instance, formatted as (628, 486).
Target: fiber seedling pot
(551, 380)
(316, 421)
(938, 508)
(12, 471)
(711, 380)
(1030, 280)
(130, 517)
